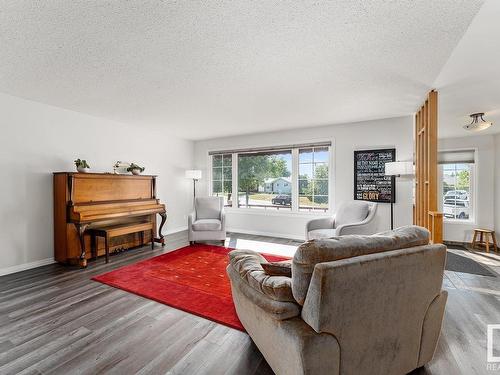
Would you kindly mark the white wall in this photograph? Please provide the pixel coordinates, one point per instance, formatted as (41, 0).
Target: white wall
(497, 184)
(395, 132)
(484, 197)
(38, 139)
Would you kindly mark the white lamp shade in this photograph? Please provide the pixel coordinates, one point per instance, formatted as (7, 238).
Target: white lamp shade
(399, 168)
(194, 174)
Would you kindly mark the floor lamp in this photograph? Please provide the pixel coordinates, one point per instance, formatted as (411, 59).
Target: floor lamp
(397, 169)
(195, 175)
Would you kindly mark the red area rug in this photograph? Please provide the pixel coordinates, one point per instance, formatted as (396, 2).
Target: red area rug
(192, 279)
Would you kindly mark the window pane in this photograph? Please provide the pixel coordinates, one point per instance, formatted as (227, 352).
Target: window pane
(217, 174)
(217, 187)
(321, 154)
(321, 170)
(321, 187)
(264, 180)
(313, 179)
(228, 173)
(303, 186)
(321, 200)
(221, 177)
(306, 155)
(305, 171)
(217, 161)
(457, 191)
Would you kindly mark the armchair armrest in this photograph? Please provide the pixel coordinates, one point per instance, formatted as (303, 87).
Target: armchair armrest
(321, 223)
(362, 227)
(223, 219)
(365, 226)
(273, 294)
(191, 219)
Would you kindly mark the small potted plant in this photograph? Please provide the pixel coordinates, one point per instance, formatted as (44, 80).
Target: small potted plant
(135, 169)
(82, 166)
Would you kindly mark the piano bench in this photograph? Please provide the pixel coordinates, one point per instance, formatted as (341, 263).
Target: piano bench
(119, 230)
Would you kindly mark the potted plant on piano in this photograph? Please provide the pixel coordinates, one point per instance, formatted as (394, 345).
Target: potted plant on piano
(82, 166)
(135, 169)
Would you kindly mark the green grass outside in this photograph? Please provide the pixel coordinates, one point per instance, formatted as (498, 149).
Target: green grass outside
(266, 197)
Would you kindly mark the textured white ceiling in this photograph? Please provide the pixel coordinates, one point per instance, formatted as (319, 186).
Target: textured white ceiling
(212, 68)
(470, 80)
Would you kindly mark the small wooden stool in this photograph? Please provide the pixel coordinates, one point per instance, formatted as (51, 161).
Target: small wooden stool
(484, 240)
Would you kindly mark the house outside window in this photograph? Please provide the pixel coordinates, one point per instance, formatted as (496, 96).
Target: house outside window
(457, 174)
(261, 178)
(285, 179)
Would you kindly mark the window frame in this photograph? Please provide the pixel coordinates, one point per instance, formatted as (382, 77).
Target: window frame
(294, 181)
(473, 186)
(211, 193)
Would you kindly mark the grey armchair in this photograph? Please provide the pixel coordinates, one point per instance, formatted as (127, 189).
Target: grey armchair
(208, 220)
(354, 217)
(353, 305)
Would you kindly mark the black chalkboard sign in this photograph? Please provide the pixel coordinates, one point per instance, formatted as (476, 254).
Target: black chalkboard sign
(370, 181)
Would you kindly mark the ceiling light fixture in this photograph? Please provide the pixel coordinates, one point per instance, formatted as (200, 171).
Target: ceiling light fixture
(477, 123)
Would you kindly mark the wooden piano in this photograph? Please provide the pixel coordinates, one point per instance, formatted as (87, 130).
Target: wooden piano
(83, 201)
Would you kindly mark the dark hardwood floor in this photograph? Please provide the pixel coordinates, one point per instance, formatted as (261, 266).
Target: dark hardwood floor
(55, 320)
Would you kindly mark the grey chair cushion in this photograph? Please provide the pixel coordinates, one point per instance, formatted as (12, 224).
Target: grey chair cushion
(208, 207)
(207, 224)
(317, 234)
(351, 212)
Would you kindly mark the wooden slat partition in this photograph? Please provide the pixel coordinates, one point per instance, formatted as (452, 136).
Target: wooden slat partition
(425, 211)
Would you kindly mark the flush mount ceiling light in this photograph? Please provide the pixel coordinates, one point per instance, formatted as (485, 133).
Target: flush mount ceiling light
(477, 123)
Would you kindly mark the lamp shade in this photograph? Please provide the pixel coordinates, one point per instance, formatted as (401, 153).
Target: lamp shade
(194, 174)
(398, 168)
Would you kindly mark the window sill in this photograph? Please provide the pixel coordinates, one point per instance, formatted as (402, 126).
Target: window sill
(254, 211)
(461, 222)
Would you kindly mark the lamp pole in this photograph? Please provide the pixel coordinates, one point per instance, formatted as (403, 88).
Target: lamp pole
(195, 175)
(194, 188)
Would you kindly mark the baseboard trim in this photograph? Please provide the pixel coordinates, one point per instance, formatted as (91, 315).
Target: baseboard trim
(267, 234)
(44, 262)
(25, 266)
(457, 243)
(175, 230)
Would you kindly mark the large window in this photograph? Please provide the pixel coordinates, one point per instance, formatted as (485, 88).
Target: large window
(289, 178)
(457, 177)
(264, 180)
(313, 178)
(222, 172)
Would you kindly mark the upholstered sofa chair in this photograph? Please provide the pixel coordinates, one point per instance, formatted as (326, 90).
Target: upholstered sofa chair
(354, 305)
(208, 220)
(354, 217)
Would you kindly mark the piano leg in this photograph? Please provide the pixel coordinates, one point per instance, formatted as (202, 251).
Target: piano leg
(81, 228)
(163, 220)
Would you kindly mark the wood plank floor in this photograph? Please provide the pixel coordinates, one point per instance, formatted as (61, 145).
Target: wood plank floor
(55, 320)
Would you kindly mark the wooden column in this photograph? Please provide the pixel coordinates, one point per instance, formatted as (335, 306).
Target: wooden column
(425, 211)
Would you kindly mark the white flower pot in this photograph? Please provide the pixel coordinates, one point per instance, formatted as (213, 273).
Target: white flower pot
(82, 169)
(136, 171)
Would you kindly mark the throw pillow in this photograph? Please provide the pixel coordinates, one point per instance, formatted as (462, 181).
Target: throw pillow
(283, 268)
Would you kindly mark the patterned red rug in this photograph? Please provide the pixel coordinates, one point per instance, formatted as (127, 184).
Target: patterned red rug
(192, 279)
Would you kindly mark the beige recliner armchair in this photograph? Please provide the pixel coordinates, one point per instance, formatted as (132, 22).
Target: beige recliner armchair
(354, 305)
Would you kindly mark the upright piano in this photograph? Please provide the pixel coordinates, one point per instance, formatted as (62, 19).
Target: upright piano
(83, 201)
